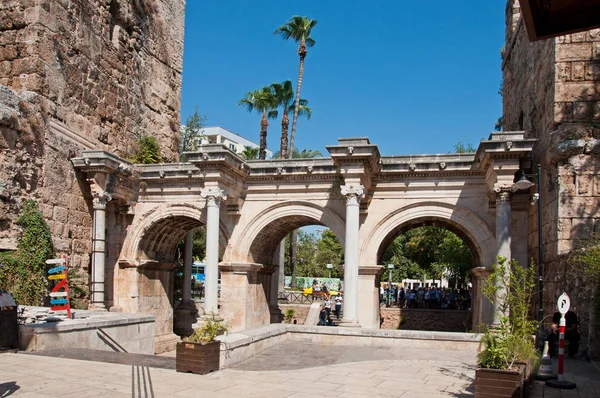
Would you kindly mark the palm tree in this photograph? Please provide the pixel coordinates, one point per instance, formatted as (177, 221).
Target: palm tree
(262, 101)
(284, 96)
(250, 153)
(298, 28)
(304, 154)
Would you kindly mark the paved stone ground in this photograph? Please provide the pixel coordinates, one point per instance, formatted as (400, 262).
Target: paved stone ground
(291, 370)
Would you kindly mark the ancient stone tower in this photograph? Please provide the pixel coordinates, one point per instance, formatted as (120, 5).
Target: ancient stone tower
(551, 90)
(76, 75)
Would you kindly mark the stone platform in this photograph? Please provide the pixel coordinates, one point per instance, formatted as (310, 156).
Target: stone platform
(109, 331)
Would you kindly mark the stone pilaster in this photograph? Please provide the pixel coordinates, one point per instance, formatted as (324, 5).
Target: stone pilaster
(483, 311)
(99, 250)
(353, 193)
(369, 278)
(213, 197)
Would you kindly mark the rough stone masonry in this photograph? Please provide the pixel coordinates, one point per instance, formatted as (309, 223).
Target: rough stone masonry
(78, 75)
(551, 90)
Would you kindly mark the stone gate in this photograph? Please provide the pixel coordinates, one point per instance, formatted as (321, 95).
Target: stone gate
(141, 213)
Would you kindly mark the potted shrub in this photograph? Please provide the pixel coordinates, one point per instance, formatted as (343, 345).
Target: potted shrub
(507, 354)
(200, 352)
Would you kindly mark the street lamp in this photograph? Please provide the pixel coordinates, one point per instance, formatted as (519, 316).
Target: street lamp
(329, 267)
(525, 183)
(391, 268)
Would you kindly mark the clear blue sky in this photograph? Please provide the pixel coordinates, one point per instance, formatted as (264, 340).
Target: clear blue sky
(414, 76)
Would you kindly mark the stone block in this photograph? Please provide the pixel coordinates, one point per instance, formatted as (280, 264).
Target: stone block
(595, 111)
(563, 71)
(585, 184)
(577, 91)
(581, 111)
(573, 52)
(578, 70)
(563, 112)
(564, 228)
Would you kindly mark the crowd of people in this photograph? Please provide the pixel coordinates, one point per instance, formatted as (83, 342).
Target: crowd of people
(430, 297)
(326, 308)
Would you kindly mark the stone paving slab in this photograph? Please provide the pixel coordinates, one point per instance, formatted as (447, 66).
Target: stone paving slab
(153, 361)
(586, 376)
(289, 370)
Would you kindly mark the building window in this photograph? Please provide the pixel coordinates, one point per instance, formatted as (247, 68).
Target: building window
(232, 147)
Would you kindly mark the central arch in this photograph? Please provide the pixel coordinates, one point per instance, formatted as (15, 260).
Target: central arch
(259, 239)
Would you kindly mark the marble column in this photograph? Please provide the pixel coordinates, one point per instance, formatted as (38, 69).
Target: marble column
(99, 251)
(213, 197)
(353, 193)
(281, 262)
(503, 199)
(481, 308)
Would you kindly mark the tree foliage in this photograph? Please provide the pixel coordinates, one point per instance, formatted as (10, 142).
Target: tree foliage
(250, 153)
(190, 134)
(23, 272)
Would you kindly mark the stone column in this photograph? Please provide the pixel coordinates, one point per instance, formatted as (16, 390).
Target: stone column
(99, 251)
(369, 279)
(503, 198)
(353, 193)
(213, 197)
(281, 262)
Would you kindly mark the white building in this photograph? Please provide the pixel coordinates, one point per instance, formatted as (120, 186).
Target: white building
(236, 143)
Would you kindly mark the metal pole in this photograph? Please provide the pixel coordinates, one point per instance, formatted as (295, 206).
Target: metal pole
(540, 247)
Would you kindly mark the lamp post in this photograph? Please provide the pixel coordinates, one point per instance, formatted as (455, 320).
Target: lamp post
(391, 268)
(525, 183)
(329, 267)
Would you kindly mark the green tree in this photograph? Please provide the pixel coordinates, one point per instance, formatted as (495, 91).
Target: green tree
(330, 251)
(284, 96)
(250, 153)
(298, 29)
(460, 147)
(191, 132)
(263, 101)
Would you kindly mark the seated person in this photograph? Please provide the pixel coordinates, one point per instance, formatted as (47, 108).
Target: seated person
(571, 333)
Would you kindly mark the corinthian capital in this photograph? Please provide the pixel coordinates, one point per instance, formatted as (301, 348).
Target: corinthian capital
(503, 192)
(213, 194)
(353, 193)
(100, 199)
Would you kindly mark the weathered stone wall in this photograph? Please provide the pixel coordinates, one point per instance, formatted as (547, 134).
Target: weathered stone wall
(75, 75)
(551, 90)
(432, 320)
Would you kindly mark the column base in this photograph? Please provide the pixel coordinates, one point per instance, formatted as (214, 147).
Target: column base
(97, 307)
(276, 315)
(165, 343)
(349, 324)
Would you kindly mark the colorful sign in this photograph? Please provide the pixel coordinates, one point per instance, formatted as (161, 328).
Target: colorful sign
(59, 299)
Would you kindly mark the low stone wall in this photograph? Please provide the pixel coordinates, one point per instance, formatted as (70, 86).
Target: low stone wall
(300, 312)
(417, 319)
(108, 331)
(238, 347)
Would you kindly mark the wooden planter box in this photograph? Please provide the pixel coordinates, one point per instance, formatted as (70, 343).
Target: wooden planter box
(500, 383)
(198, 358)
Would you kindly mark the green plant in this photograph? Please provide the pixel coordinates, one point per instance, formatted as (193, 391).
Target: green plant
(23, 272)
(148, 151)
(211, 328)
(510, 288)
(289, 315)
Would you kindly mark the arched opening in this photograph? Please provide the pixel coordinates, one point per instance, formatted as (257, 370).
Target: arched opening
(426, 283)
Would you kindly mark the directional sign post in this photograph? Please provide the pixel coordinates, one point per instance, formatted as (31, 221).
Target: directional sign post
(59, 300)
(563, 304)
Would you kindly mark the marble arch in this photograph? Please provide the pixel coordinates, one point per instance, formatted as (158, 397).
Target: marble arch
(142, 211)
(294, 214)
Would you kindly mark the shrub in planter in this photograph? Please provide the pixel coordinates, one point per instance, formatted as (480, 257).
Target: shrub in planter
(507, 353)
(200, 352)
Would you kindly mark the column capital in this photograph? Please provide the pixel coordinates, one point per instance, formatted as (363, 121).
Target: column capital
(100, 199)
(353, 193)
(503, 192)
(213, 194)
(480, 273)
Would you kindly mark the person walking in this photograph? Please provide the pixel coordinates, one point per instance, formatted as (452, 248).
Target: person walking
(338, 306)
